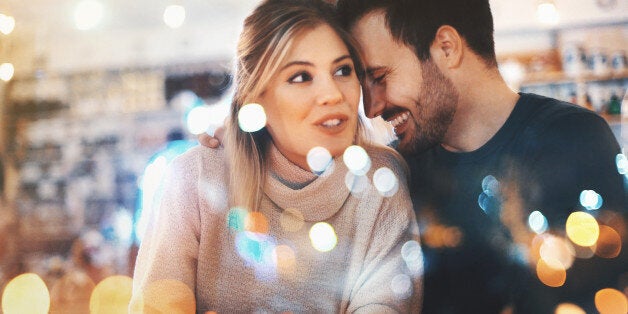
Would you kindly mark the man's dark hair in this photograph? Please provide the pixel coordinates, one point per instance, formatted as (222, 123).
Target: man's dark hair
(415, 22)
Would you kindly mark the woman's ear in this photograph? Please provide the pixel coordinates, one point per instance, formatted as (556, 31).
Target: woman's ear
(447, 47)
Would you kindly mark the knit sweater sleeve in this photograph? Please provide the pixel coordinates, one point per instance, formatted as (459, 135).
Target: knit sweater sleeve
(169, 250)
(390, 280)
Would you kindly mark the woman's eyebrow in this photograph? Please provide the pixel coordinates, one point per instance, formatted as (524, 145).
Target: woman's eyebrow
(307, 63)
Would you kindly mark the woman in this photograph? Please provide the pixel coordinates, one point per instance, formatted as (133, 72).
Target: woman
(285, 239)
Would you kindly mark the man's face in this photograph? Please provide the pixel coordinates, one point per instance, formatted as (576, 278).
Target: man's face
(413, 96)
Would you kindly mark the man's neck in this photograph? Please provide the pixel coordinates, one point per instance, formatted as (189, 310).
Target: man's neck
(485, 104)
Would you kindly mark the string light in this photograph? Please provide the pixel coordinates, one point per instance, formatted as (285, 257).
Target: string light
(546, 13)
(88, 14)
(7, 24)
(174, 16)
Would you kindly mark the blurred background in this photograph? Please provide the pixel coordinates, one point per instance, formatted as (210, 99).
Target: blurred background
(96, 96)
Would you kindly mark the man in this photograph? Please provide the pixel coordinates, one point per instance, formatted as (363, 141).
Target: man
(483, 158)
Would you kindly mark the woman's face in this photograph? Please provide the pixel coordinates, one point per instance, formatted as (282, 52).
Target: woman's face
(313, 99)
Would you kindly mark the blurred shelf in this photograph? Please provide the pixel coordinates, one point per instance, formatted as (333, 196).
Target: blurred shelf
(561, 78)
(615, 119)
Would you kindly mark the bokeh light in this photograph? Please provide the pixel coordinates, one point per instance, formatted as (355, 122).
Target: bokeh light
(255, 248)
(546, 13)
(413, 256)
(198, 119)
(185, 100)
(6, 71)
(608, 243)
(356, 184)
(401, 285)
(251, 117)
(385, 181)
(490, 198)
(285, 260)
(123, 226)
(291, 220)
(357, 160)
(557, 249)
(174, 16)
(323, 237)
(584, 252)
(537, 222)
(614, 220)
(256, 222)
(611, 301)
(490, 185)
(622, 164)
(569, 308)
(319, 159)
(590, 200)
(236, 218)
(26, 293)
(582, 229)
(7, 24)
(112, 295)
(438, 236)
(88, 14)
(551, 272)
(165, 296)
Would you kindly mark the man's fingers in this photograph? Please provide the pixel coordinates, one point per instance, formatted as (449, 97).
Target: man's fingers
(208, 141)
(219, 135)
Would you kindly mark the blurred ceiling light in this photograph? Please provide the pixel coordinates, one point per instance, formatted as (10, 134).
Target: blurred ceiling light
(546, 13)
(88, 14)
(174, 16)
(7, 24)
(6, 71)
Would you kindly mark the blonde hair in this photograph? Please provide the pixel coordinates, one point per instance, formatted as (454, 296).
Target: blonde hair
(265, 40)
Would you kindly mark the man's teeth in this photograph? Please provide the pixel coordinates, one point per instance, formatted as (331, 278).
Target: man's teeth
(402, 118)
(331, 122)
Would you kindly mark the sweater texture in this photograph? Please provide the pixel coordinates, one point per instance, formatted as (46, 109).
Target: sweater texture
(200, 255)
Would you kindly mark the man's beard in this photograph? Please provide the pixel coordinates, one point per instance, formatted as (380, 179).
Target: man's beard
(436, 106)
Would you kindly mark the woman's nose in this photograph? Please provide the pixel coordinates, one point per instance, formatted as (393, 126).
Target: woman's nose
(329, 92)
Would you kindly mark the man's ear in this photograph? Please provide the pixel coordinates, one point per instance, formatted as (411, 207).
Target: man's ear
(447, 47)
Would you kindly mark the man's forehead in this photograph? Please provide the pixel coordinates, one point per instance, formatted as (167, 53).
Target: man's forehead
(375, 41)
(372, 35)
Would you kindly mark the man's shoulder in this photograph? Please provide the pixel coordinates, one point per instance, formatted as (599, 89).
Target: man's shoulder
(545, 109)
(383, 156)
(552, 115)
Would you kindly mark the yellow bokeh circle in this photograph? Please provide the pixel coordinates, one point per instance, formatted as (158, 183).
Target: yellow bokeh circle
(582, 229)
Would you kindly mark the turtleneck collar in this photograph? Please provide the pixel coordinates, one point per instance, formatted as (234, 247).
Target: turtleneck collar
(316, 197)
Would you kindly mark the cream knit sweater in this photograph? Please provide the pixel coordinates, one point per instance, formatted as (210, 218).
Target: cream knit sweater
(195, 255)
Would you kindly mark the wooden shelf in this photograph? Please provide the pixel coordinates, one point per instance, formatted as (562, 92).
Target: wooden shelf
(559, 78)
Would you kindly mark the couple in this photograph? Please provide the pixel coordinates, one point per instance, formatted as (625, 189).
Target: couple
(481, 159)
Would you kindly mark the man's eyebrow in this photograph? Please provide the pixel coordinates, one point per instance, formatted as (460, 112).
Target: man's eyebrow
(371, 70)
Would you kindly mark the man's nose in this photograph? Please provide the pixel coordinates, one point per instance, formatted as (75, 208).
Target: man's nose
(374, 102)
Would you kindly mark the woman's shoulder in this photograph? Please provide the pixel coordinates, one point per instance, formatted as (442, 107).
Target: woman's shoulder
(200, 159)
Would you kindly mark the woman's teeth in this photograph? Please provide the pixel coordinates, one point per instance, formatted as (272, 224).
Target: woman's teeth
(331, 123)
(400, 119)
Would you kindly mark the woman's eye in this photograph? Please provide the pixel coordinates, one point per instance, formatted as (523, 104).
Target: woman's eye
(344, 70)
(300, 78)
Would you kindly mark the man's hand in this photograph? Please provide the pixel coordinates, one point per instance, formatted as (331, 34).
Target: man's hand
(212, 142)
